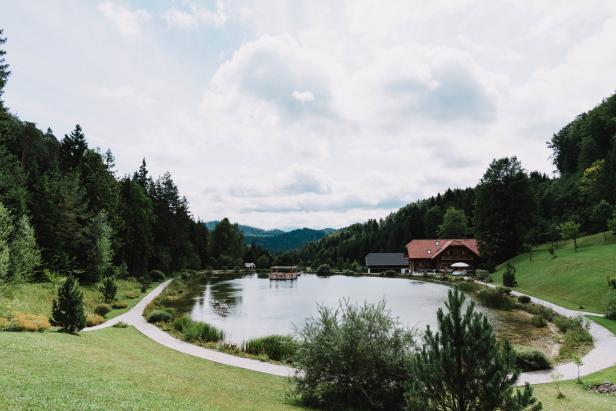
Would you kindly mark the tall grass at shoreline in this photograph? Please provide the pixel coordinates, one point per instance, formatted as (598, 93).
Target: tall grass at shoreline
(276, 347)
(197, 330)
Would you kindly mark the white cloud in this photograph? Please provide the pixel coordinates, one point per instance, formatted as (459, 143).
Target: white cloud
(127, 21)
(303, 96)
(194, 15)
(314, 113)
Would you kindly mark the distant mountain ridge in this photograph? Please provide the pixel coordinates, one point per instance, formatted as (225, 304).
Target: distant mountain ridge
(278, 241)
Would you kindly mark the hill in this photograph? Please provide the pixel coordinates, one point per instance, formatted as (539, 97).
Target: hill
(572, 279)
(278, 241)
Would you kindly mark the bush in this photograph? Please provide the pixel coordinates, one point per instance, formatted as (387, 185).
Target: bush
(348, 272)
(467, 286)
(118, 305)
(102, 309)
(562, 323)
(504, 290)
(492, 298)
(276, 347)
(532, 360)
(389, 273)
(538, 321)
(523, 299)
(353, 358)
(324, 269)
(158, 316)
(157, 275)
(121, 324)
(26, 322)
(197, 330)
(94, 319)
(609, 302)
(509, 276)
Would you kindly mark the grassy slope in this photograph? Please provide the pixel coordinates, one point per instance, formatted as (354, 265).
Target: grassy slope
(121, 369)
(572, 279)
(36, 298)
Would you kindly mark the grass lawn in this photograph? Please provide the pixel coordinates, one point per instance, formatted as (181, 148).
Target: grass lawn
(572, 279)
(576, 396)
(36, 298)
(122, 369)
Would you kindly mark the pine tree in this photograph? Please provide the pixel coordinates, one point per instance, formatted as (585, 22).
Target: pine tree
(25, 253)
(509, 276)
(72, 149)
(462, 367)
(67, 310)
(4, 68)
(109, 289)
(6, 229)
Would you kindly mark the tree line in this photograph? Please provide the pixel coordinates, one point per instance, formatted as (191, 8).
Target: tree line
(509, 211)
(64, 208)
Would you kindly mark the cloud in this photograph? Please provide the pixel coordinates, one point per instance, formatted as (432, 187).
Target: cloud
(303, 96)
(194, 15)
(127, 21)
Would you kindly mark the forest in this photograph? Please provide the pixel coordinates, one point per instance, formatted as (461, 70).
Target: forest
(510, 210)
(64, 209)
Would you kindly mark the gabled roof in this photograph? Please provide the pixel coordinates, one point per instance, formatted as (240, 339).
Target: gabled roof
(431, 248)
(386, 260)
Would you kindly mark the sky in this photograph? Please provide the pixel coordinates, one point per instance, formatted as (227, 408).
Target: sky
(284, 114)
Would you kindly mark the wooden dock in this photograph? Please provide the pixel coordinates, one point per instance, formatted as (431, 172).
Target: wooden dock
(283, 273)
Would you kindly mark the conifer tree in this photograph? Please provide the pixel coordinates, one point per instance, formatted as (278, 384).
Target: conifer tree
(6, 228)
(4, 68)
(109, 289)
(461, 367)
(67, 310)
(25, 253)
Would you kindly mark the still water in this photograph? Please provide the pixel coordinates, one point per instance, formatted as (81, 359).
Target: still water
(248, 307)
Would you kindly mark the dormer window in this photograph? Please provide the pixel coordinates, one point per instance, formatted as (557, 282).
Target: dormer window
(429, 251)
(437, 243)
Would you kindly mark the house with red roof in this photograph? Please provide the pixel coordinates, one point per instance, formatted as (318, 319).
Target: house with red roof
(439, 255)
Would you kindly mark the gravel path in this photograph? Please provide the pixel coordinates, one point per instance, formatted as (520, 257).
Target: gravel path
(603, 355)
(135, 318)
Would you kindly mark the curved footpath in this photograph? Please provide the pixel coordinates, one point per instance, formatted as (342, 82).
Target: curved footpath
(135, 318)
(603, 355)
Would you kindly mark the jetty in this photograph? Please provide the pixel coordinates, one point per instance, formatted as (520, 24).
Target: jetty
(281, 272)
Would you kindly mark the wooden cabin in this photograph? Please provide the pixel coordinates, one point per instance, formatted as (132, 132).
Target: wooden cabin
(439, 255)
(281, 272)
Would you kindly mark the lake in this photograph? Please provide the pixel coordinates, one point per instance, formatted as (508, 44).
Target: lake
(246, 307)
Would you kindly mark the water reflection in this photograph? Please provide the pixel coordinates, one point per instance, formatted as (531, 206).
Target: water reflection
(250, 306)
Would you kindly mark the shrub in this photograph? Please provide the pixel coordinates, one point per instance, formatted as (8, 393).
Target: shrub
(562, 323)
(157, 275)
(121, 324)
(504, 290)
(494, 299)
(109, 289)
(509, 276)
(467, 286)
(324, 269)
(102, 309)
(609, 303)
(27, 322)
(523, 299)
(538, 321)
(67, 310)
(198, 331)
(276, 347)
(355, 357)
(348, 272)
(532, 360)
(94, 319)
(118, 305)
(157, 316)
(389, 273)
(4, 323)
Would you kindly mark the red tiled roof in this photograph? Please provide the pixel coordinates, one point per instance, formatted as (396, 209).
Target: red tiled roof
(432, 248)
